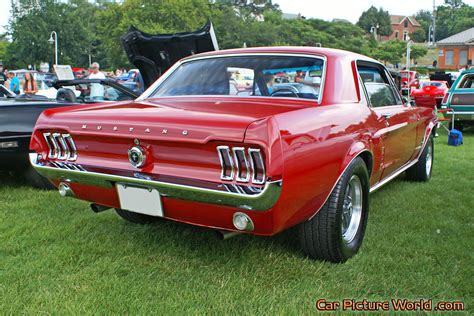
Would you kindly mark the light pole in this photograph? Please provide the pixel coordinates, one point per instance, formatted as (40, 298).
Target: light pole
(55, 42)
(409, 42)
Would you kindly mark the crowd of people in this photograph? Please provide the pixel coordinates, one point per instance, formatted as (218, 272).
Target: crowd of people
(28, 85)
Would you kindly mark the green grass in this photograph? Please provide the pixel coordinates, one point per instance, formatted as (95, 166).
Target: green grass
(58, 257)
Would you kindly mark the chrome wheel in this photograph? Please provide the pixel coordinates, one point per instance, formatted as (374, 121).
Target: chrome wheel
(429, 159)
(352, 209)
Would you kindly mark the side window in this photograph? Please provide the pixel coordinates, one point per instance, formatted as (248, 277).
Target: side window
(466, 83)
(379, 86)
(241, 80)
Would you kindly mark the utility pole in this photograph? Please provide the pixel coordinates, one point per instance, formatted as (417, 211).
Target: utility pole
(434, 23)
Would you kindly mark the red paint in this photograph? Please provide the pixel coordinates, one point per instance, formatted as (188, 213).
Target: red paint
(430, 95)
(307, 145)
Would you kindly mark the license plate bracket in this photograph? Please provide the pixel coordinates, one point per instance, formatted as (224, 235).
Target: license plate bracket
(139, 200)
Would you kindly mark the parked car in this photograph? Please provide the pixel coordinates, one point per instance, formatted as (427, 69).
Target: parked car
(410, 81)
(430, 93)
(460, 98)
(191, 150)
(18, 115)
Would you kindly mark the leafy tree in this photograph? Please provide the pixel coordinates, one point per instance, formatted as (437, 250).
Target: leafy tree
(417, 51)
(373, 17)
(425, 18)
(453, 19)
(389, 52)
(418, 36)
(454, 3)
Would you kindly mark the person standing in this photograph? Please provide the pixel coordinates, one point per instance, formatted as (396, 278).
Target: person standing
(3, 78)
(97, 90)
(29, 86)
(14, 83)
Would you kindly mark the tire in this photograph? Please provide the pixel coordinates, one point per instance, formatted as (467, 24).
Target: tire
(136, 218)
(332, 234)
(421, 171)
(36, 180)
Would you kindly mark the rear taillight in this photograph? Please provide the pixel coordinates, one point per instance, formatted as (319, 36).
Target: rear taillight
(241, 164)
(445, 99)
(60, 146)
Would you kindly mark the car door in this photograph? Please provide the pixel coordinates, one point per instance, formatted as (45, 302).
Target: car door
(397, 122)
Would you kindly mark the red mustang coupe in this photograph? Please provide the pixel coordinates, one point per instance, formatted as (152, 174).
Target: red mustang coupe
(430, 93)
(306, 150)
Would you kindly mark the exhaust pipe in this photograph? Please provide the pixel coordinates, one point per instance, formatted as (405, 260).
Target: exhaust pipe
(226, 234)
(96, 208)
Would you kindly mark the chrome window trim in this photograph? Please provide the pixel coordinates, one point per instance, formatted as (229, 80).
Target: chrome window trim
(152, 89)
(259, 155)
(237, 163)
(226, 149)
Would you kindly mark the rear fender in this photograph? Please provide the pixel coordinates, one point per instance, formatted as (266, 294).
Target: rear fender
(358, 149)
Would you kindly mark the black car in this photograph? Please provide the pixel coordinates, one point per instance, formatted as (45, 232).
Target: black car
(18, 115)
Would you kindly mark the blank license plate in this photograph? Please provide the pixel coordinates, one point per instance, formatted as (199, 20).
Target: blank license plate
(140, 200)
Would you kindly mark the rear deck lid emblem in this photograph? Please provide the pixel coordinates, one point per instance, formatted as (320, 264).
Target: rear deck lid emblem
(137, 156)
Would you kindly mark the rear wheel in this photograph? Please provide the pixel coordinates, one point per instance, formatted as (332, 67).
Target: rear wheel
(37, 180)
(136, 218)
(421, 171)
(336, 232)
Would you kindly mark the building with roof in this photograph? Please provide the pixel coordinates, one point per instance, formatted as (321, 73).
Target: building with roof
(402, 27)
(456, 51)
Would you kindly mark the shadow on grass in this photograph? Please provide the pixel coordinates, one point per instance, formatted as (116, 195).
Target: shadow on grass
(12, 179)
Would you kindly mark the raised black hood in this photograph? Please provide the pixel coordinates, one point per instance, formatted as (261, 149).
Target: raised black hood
(154, 54)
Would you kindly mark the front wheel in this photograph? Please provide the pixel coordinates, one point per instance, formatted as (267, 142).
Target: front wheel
(421, 171)
(336, 232)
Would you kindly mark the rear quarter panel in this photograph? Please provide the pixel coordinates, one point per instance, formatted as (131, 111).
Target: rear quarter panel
(317, 145)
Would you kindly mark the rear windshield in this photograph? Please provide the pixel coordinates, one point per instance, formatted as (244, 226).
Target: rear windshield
(270, 76)
(431, 84)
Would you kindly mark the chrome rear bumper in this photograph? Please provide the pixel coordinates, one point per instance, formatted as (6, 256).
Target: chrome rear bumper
(257, 201)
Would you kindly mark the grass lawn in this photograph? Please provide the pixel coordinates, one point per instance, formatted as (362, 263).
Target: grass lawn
(56, 256)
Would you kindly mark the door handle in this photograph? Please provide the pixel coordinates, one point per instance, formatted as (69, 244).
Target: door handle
(386, 116)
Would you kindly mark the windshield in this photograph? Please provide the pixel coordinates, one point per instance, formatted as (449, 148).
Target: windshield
(274, 76)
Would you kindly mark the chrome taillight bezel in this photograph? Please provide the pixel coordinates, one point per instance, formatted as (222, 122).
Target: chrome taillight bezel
(255, 152)
(227, 164)
(242, 164)
(61, 146)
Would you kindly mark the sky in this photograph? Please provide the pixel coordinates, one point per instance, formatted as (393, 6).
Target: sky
(321, 9)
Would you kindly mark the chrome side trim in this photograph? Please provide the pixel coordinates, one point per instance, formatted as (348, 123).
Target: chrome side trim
(236, 151)
(257, 153)
(261, 201)
(395, 174)
(224, 152)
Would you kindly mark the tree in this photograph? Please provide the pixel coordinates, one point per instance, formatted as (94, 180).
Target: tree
(391, 51)
(417, 51)
(418, 36)
(373, 17)
(454, 4)
(425, 18)
(30, 28)
(452, 19)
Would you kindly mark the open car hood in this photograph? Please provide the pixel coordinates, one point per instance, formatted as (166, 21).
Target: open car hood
(154, 54)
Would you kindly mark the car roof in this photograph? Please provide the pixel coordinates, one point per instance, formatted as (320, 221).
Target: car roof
(328, 52)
